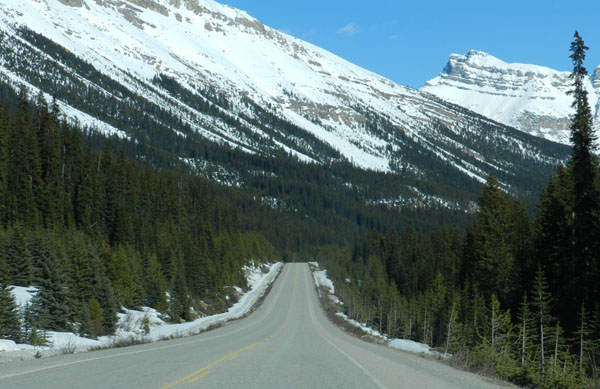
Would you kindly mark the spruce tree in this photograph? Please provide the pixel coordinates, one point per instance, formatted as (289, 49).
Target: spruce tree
(541, 303)
(527, 331)
(527, 337)
(10, 325)
(96, 315)
(51, 306)
(583, 337)
(105, 295)
(583, 271)
(25, 166)
(494, 267)
(18, 257)
(49, 151)
(122, 280)
(156, 285)
(4, 161)
(554, 235)
(586, 198)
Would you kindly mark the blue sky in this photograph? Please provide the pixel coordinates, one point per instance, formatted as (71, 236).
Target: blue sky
(410, 41)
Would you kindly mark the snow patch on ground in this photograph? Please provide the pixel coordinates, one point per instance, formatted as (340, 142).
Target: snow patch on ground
(321, 279)
(365, 328)
(411, 346)
(9, 345)
(134, 326)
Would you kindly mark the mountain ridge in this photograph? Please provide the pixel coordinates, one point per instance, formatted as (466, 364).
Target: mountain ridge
(216, 74)
(531, 98)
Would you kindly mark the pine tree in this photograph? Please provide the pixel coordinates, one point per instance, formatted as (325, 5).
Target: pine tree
(25, 165)
(121, 277)
(52, 304)
(454, 329)
(96, 315)
(586, 198)
(4, 163)
(180, 301)
(18, 257)
(103, 292)
(475, 318)
(156, 285)
(494, 267)
(541, 303)
(583, 338)
(499, 324)
(10, 325)
(49, 151)
(554, 236)
(527, 331)
(527, 337)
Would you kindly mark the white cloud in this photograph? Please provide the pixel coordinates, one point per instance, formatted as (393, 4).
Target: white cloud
(348, 29)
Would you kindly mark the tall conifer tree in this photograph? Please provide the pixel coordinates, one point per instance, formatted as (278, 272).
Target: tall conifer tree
(586, 199)
(494, 267)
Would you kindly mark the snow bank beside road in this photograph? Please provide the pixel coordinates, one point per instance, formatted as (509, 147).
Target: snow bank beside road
(363, 327)
(139, 326)
(321, 279)
(239, 309)
(411, 346)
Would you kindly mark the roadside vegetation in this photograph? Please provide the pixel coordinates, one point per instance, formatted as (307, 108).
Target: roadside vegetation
(513, 296)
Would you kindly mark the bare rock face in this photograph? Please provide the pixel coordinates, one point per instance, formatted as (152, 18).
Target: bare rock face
(72, 3)
(151, 5)
(528, 97)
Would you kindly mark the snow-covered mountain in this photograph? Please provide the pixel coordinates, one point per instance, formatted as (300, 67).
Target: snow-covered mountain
(176, 71)
(528, 97)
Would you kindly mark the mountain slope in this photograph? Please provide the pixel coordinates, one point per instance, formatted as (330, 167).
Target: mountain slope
(528, 97)
(172, 75)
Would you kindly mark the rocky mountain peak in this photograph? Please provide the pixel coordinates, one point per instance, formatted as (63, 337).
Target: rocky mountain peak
(528, 97)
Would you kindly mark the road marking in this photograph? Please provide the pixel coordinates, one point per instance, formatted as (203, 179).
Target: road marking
(377, 383)
(148, 350)
(201, 372)
(198, 374)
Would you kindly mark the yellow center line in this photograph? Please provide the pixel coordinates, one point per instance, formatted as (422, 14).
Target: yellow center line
(198, 374)
(207, 372)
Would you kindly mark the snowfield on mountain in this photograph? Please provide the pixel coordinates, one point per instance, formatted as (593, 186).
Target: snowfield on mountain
(528, 97)
(196, 70)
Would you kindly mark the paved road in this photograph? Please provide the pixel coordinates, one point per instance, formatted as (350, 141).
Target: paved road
(287, 343)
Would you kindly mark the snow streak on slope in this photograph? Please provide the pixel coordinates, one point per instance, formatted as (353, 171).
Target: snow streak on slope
(202, 41)
(528, 97)
(199, 68)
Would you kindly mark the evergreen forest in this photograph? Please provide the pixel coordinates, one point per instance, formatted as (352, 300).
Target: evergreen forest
(94, 231)
(509, 288)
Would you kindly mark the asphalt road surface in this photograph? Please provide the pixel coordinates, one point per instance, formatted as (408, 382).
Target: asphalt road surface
(288, 342)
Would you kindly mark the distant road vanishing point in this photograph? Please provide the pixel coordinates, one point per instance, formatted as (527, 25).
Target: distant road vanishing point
(288, 342)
